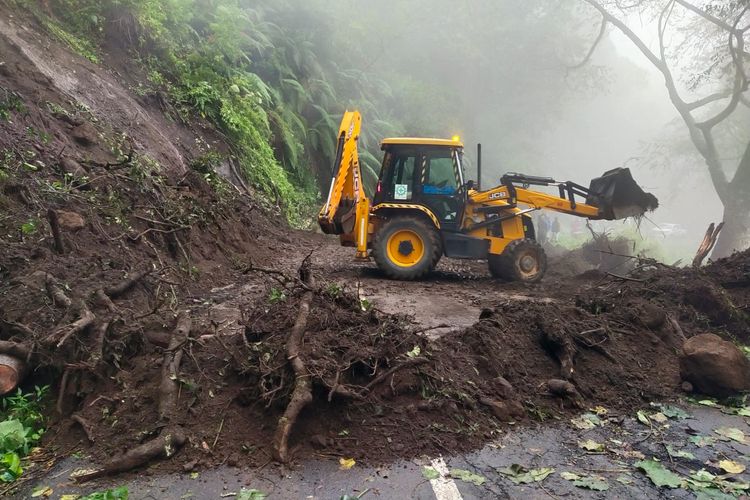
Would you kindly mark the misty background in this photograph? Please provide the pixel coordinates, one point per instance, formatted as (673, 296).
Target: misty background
(504, 73)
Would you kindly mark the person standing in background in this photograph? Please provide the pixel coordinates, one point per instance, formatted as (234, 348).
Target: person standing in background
(555, 230)
(543, 227)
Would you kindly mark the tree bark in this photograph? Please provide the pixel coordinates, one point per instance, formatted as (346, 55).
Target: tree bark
(736, 233)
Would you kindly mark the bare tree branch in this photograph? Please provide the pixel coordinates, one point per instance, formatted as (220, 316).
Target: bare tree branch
(705, 15)
(701, 137)
(602, 31)
(740, 78)
(717, 96)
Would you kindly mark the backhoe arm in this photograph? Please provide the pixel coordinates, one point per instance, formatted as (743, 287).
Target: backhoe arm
(614, 195)
(347, 208)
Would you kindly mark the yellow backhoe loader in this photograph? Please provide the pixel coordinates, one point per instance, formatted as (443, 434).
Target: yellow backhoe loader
(423, 209)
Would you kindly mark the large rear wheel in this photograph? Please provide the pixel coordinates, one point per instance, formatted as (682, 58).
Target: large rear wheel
(522, 260)
(407, 248)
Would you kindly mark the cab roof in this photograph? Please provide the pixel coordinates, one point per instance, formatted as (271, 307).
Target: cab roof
(421, 141)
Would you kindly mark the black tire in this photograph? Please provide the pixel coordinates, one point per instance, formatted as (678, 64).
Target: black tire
(430, 239)
(522, 260)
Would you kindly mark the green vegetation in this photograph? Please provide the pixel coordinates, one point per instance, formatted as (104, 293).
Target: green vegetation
(21, 427)
(9, 102)
(272, 86)
(118, 493)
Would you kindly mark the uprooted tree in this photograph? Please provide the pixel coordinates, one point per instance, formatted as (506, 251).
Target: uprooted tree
(711, 59)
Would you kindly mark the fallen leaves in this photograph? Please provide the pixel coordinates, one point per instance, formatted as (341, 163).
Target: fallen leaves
(590, 445)
(430, 473)
(679, 453)
(590, 482)
(521, 475)
(658, 474)
(346, 463)
(252, 494)
(467, 476)
(701, 441)
(586, 421)
(732, 467)
(731, 433)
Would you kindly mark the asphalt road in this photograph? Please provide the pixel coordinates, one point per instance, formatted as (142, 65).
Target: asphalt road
(552, 444)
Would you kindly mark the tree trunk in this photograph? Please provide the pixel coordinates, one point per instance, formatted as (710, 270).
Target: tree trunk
(736, 233)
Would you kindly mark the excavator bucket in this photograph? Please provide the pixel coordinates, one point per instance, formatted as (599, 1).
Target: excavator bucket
(618, 196)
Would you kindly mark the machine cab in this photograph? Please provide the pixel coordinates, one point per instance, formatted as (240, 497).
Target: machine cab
(425, 172)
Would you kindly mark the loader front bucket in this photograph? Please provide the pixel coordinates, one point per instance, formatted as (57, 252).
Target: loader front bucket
(618, 196)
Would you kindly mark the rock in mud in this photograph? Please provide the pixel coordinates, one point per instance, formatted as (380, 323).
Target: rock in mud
(72, 167)
(714, 366)
(505, 411)
(70, 221)
(85, 134)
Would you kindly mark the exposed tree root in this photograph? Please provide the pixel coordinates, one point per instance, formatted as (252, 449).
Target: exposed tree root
(56, 293)
(123, 287)
(15, 349)
(85, 319)
(171, 366)
(560, 345)
(165, 445)
(302, 393)
(54, 225)
(85, 425)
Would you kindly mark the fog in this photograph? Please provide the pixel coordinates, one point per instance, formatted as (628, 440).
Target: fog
(504, 73)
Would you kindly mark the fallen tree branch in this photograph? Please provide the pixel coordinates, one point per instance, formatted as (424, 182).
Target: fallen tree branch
(625, 278)
(708, 242)
(302, 393)
(12, 371)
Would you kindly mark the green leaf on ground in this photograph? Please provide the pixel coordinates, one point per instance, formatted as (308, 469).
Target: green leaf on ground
(744, 411)
(732, 433)
(591, 445)
(707, 485)
(707, 402)
(252, 494)
(119, 493)
(586, 421)
(673, 412)
(521, 475)
(701, 441)
(642, 418)
(596, 483)
(41, 491)
(680, 453)
(468, 476)
(658, 474)
(430, 473)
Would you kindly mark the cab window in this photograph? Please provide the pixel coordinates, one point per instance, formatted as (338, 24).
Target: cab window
(439, 173)
(401, 182)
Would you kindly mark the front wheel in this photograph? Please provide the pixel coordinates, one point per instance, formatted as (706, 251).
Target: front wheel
(522, 260)
(406, 248)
